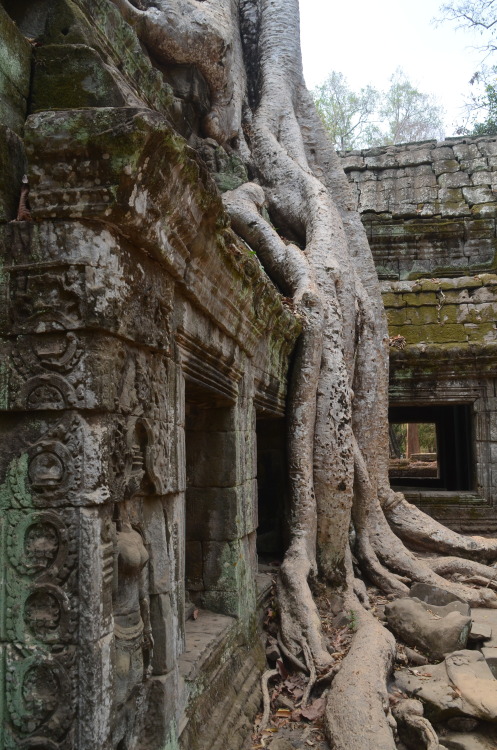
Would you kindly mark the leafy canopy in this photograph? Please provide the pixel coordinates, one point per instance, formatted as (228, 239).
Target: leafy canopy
(370, 117)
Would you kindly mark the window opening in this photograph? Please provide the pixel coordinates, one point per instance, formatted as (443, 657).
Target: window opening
(413, 450)
(211, 498)
(272, 492)
(432, 447)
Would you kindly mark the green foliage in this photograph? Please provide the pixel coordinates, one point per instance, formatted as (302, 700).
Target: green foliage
(427, 434)
(353, 621)
(370, 117)
(409, 114)
(347, 115)
(427, 438)
(486, 103)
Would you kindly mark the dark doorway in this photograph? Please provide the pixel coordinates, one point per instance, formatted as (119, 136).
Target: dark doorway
(432, 447)
(212, 503)
(272, 488)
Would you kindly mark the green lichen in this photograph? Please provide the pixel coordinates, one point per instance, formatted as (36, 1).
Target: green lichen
(15, 71)
(71, 77)
(16, 483)
(172, 742)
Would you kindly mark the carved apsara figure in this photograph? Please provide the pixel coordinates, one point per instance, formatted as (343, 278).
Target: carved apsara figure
(133, 642)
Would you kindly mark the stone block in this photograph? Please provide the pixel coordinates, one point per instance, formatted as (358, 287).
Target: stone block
(414, 156)
(451, 195)
(442, 152)
(490, 654)
(164, 630)
(156, 541)
(454, 180)
(478, 194)
(445, 165)
(453, 208)
(480, 631)
(466, 150)
(214, 513)
(210, 418)
(418, 627)
(488, 148)
(484, 209)
(96, 574)
(15, 72)
(381, 160)
(352, 161)
(220, 563)
(472, 166)
(483, 178)
(95, 693)
(93, 286)
(12, 168)
(159, 727)
(213, 459)
(430, 594)
(194, 566)
(71, 76)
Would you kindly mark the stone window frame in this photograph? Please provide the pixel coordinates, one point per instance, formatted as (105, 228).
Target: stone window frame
(449, 506)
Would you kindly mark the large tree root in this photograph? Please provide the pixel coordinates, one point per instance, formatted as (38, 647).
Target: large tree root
(410, 720)
(457, 568)
(357, 711)
(419, 529)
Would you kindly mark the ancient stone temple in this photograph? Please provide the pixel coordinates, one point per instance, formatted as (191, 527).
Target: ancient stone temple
(141, 345)
(146, 357)
(430, 211)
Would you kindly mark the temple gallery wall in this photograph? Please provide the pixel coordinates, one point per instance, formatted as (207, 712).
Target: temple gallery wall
(430, 211)
(143, 378)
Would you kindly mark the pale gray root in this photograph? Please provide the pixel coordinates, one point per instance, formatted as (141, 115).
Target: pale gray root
(290, 657)
(298, 612)
(358, 713)
(312, 673)
(409, 715)
(357, 710)
(472, 571)
(415, 527)
(204, 34)
(266, 700)
(394, 555)
(366, 555)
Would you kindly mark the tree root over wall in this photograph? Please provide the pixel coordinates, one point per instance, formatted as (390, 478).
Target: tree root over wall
(315, 249)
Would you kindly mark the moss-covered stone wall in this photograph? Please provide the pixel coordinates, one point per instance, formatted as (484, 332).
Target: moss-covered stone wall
(126, 301)
(430, 211)
(428, 208)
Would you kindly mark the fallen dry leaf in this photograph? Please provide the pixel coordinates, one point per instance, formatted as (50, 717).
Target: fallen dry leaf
(314, 710)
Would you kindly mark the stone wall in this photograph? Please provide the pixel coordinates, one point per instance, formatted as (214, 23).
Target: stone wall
(430, 213)
(140, 340)
(428, 208)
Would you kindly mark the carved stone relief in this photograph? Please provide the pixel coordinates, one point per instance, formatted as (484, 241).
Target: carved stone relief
(49, 299)
(133, 642)
(40, 698)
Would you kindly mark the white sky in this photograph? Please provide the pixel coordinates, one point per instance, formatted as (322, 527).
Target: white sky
(366, 40)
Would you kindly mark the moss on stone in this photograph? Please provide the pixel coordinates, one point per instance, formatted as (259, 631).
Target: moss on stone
(72, 77)
(481, 332)
(15, 71)
(12, 169)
